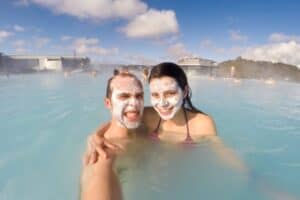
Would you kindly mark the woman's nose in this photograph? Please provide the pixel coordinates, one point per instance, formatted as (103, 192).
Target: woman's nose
(163, 102)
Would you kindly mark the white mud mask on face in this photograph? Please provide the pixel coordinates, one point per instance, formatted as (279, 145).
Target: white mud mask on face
(166, 96)
(127, 108)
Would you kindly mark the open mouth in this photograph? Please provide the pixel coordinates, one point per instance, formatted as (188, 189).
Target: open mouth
(132, 115)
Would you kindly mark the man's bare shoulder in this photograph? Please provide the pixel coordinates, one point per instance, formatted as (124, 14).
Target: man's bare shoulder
(149, 110)
(149, 113)
(150, 118)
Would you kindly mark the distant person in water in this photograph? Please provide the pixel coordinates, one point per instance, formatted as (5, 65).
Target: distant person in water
(145, 74)
(124, 99)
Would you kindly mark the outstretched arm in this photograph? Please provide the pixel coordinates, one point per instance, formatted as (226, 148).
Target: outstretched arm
(99, 181)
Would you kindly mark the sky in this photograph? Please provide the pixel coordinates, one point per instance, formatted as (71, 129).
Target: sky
(148, 32)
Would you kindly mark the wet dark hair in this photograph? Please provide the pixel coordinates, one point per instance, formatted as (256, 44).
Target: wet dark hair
(176, 72)
(122, 74)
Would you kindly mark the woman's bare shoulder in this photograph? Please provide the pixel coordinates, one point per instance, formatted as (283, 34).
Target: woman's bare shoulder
(203, 125)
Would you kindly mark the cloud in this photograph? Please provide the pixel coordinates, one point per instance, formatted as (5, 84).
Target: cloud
(237, 36)
(143, 22)
(19, 43)
(21, 50)
(21, 3)
(166, 41)
(152, 24)
(281, 37)
(140, 59)
(285, 52)
(65, 38)
(94, 9)
(207, 43)
(178, 50)
(41, 41)
(19, 46)
(5, 34)
(90, 46)
(19, 28)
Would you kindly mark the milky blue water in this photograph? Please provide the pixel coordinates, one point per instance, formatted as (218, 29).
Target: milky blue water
(45, 119)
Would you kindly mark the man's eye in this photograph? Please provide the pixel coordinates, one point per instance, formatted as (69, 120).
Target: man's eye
(123, 96)
(139, 96)
(154, 95)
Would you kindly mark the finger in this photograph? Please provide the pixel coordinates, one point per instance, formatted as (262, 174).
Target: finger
(110, 145)
(89, 144)
(93, 158)
(101, 152)
(85, 159)
(96, 139)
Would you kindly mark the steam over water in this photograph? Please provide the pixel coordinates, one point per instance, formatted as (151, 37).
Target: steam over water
(45, 119)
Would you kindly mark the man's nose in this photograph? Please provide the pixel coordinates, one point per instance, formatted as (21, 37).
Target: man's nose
(133, 101)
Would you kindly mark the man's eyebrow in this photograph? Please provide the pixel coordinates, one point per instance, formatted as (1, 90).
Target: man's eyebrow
(123, 93)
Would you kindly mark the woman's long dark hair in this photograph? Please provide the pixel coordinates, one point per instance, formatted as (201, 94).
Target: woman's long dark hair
(174, 71)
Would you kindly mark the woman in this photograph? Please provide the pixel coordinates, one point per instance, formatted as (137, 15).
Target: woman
(172, 116)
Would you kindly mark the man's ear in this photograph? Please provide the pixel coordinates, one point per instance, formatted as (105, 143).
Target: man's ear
(107, 103)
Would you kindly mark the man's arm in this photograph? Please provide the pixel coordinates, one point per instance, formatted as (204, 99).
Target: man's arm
(99, 181)
(97, 145)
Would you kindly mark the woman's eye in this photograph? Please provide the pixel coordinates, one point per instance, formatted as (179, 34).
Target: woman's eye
(170, 93)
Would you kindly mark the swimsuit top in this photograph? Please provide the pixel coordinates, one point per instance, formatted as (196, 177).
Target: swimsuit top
(188, 139)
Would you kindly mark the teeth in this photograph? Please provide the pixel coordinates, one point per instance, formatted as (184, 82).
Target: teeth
(165, 110)
(132, 114)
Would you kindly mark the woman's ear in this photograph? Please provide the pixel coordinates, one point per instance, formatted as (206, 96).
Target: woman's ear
(186, 91)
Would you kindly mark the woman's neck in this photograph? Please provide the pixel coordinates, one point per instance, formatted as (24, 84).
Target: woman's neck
(178, 118)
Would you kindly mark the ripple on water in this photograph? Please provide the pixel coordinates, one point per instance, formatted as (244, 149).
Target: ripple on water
(291, 164)
(275, 150)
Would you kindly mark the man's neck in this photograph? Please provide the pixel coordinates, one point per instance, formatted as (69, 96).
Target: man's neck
(115, 131)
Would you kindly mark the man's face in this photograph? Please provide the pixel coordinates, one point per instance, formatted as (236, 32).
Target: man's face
(166, 96)
(127, 101)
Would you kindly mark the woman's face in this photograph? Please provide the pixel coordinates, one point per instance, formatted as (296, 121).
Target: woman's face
(166, 96)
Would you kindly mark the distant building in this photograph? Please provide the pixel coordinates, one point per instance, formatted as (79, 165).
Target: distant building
(25, 64)
(195, 61)
(198, 66)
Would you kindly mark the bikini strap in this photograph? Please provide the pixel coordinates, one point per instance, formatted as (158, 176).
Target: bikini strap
(188, 136)
(157, 127)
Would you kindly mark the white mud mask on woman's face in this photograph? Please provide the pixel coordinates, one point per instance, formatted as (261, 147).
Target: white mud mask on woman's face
(166, 96)
(127, 102)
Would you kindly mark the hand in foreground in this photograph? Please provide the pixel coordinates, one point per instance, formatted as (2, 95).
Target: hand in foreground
(98, 146)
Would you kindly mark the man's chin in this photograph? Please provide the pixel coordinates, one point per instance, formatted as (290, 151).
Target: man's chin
(132, 125)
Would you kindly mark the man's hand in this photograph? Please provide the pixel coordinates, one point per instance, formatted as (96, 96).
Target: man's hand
(98, 146)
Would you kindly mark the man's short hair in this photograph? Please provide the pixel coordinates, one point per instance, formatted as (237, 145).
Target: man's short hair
(120, 74)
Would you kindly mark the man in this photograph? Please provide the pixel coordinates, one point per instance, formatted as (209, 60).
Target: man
(125, 100)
